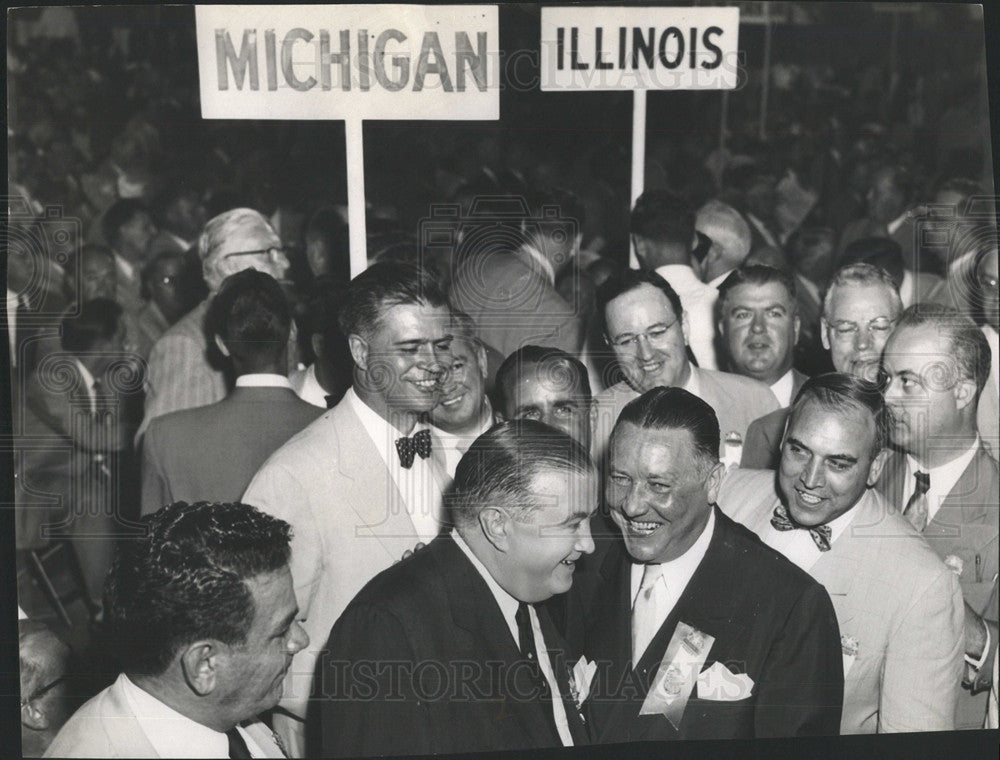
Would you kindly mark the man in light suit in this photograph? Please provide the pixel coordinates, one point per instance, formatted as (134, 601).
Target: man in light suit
(899, 607)
(204, 619)
(362, 484)
(647, 329)
(188, 455)
(936, 363)
(182, 374)
(859, 310)
(698, 629)
(510, 291)
(470, 604)
(759, 326)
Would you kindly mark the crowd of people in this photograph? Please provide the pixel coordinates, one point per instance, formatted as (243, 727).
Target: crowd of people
(506, 492)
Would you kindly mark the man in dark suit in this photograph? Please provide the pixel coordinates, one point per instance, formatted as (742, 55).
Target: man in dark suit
(759, 326)
(699, 630)
(859, 310)
(189, 455)
(447, 652)
(936, 363)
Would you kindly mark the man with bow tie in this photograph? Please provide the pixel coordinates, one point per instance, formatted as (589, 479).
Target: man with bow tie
(451, 650)
(899, 607)
(698, 630)
(363, 484)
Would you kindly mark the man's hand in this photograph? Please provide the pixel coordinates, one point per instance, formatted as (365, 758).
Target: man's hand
(409, 552)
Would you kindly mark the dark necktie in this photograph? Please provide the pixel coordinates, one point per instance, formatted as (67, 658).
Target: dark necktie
(916, 507)
(820, 533)
(418, 443)
(331, 401)
(526, 642)
(237, 747)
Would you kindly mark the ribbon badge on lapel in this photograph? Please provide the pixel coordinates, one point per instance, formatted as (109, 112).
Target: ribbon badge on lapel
(678, 672)
(581, 676)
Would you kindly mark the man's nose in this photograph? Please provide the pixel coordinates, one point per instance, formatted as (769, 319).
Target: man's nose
(757, 323)
(643, 349)
(299, 639)
(812, 475)
(863, 337)
(585, 541)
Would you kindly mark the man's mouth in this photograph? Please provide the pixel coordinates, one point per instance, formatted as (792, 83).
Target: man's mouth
(810, 500)
(640, 528)
(426, 385)
(650, 367)
(454, 400)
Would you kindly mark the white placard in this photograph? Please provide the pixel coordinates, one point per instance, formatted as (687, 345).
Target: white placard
(348, 61)
(622, 48)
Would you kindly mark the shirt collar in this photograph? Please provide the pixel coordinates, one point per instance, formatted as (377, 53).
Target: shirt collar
(88, 379)
(839, 524)
(720, 279)
(693, 384)
(455, 439)
(679, 571)
(309, 388)
(125, 266)
(263, 380)
(508, 604)
(943, 477)
(170, 733)
(782, 388)
(679, 275)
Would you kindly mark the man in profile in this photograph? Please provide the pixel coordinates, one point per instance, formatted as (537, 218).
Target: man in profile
(204, 616)
(449, 651)
(43, 658)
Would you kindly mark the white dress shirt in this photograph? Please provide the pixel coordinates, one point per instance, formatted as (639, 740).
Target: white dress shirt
(454, 446)
(798, 545)
(782, 388)
(175, 735)
(698, 301)
(88, 383)
(263, 380)
(676, 573)
(943, 478)
(508, 607)
(307, 387)
(13, 300)
(420, 487)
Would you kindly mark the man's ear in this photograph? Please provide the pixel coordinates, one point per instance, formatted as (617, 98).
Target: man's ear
(964, 392)
(495, 524)
(359, 350)
(714, 481)
(221, 345)
(878, 463)
(823, 327)
(796, 327)
(199, 663)
(34, 717)
(484, 370)
(685, 328)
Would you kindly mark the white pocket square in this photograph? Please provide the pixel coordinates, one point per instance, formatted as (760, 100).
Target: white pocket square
(718, 683)
(580, 679)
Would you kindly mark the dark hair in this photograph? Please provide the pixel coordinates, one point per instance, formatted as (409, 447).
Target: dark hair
(663, 217)
(73, 265)
(118, 215)
(381, 286)
(758, 274)
(98, 320)
(839, 391)
(967, 342)
(566, 371)
(665, 408)
(628, 280)
(252, 317)
(185, 579)
(499, 467)
(152, 266)
(878, 251)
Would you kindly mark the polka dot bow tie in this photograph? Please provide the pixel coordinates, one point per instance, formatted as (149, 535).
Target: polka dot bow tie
(418, 443)
(820, 534)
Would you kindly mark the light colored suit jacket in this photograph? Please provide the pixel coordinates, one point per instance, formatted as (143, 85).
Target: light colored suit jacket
(966, 527)
(894, 598)
(737, 402)
(106, 727)
(348, 520)
(212, 452)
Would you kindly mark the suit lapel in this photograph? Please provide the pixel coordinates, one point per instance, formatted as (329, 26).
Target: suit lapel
(474, 609)
(556, 648)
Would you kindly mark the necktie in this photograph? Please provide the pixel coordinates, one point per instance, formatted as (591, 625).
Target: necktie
(331, 401)
(646, 617)
(526, 643)
(916, 507)
(820, 533)
(418, 443)
(237, 747)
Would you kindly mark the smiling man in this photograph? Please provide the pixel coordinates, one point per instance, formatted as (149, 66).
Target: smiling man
(363, 483)
(448, 651)
(647, 330)
(700, 630)
(899, 607)
(204, 619)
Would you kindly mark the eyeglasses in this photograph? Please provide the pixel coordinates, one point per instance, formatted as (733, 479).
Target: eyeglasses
(655, 335)
(38, 693)
(272, 251)
(878, 326)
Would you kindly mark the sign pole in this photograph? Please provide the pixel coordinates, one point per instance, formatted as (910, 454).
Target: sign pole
(354, 135)
(766, 83)
(638, 157)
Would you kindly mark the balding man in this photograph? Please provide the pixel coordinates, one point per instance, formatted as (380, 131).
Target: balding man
(730, 235)
(180, 374)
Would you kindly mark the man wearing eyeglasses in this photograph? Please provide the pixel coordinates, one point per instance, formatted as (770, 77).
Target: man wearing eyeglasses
(181, 375)
(941, 477)
(647, 330)
(988, 290)
(44, 705)
(859, 310)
